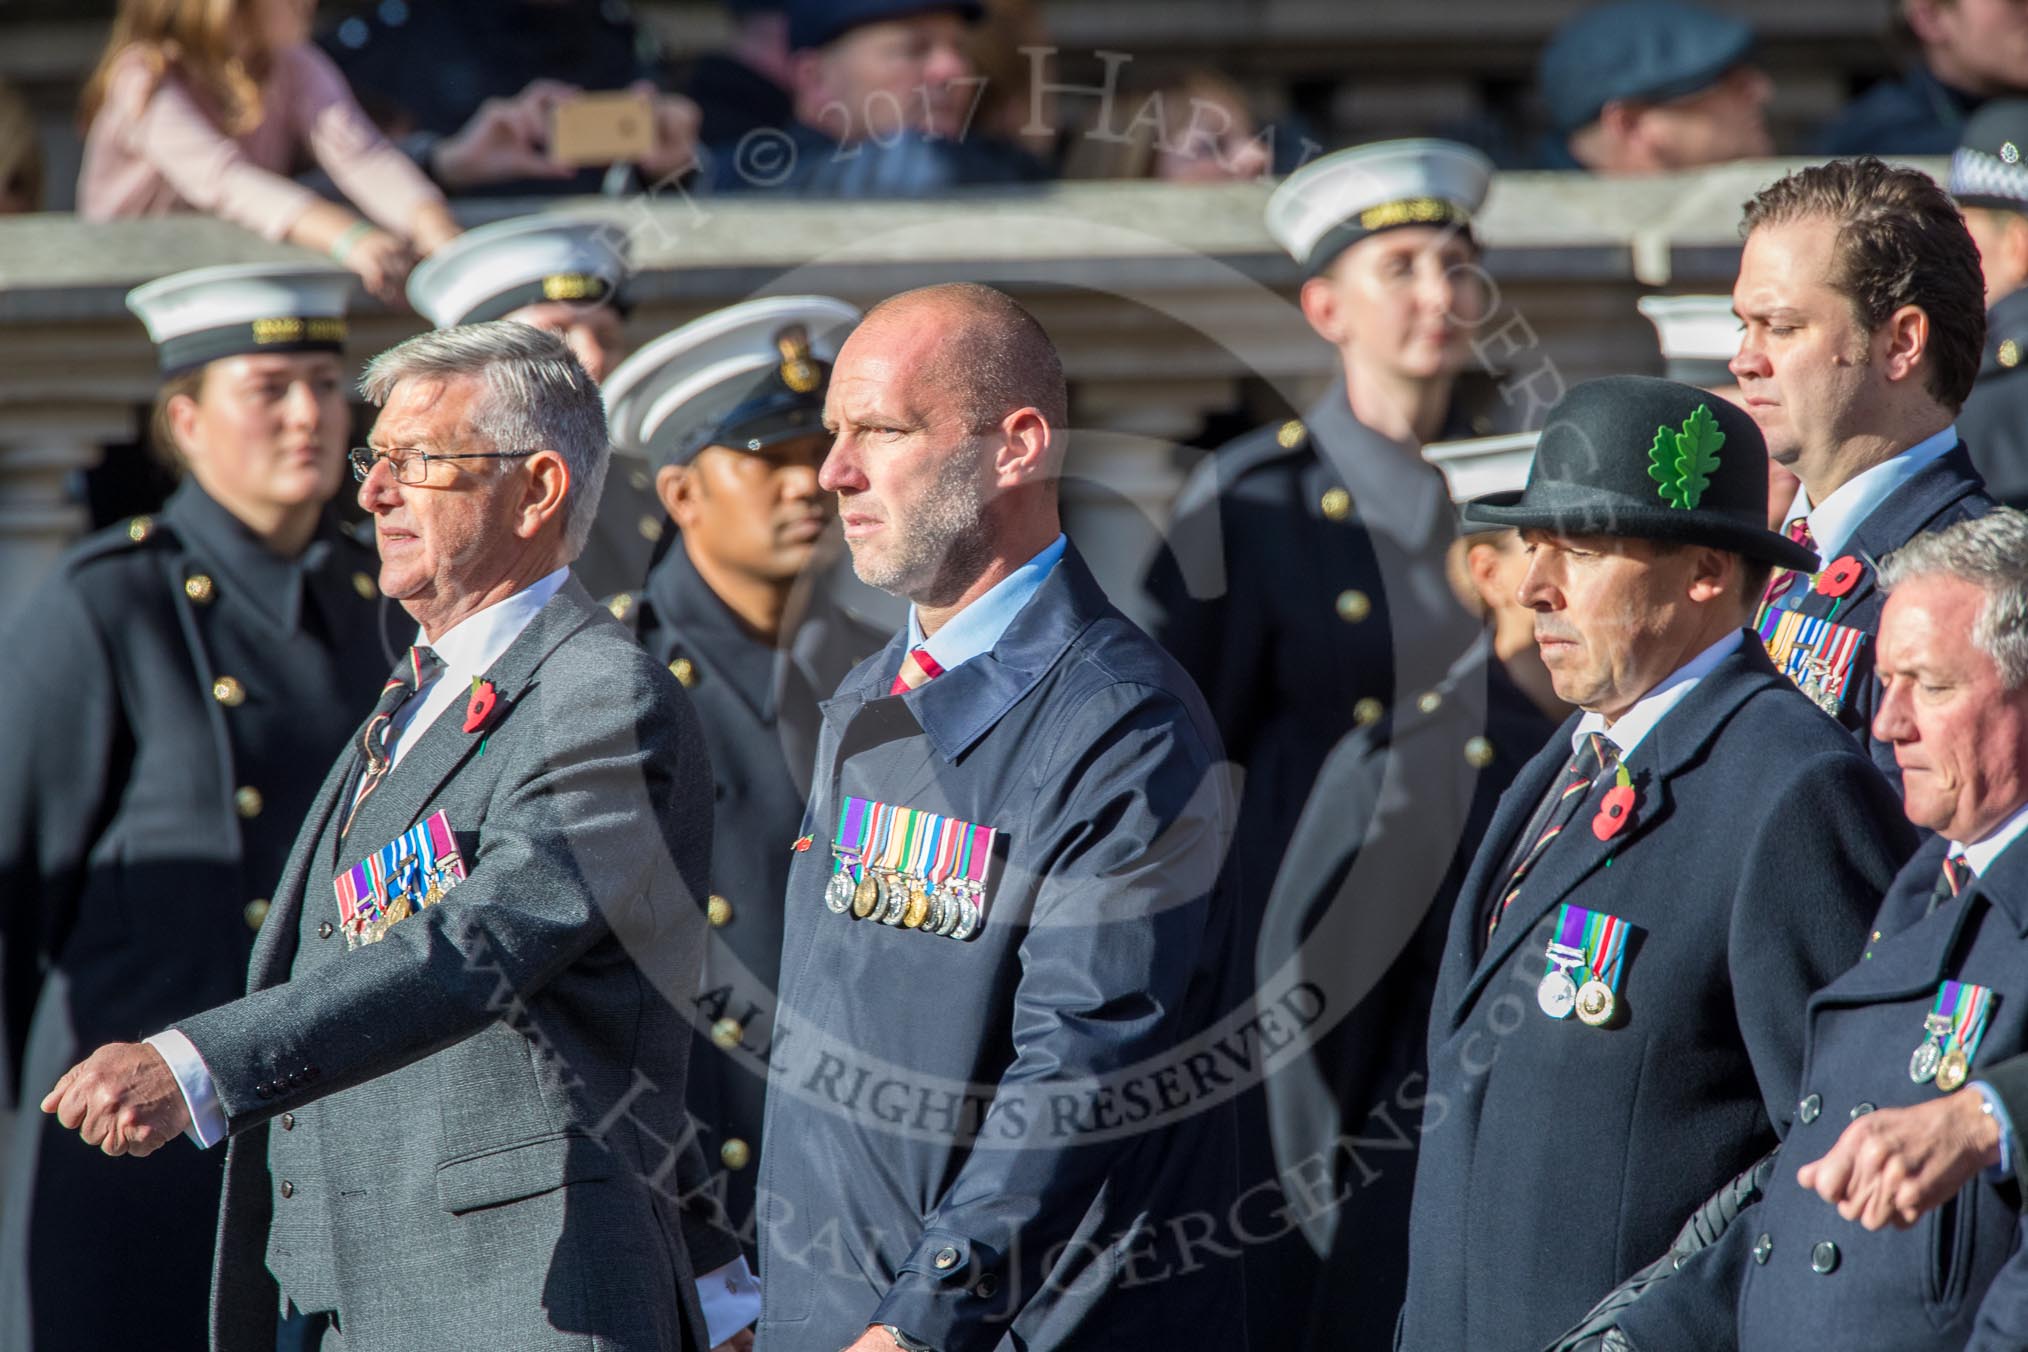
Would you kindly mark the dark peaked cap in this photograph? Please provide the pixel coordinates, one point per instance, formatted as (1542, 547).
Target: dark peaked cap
(1652, 460)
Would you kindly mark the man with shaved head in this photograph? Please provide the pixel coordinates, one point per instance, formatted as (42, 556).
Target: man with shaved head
(1005, 938)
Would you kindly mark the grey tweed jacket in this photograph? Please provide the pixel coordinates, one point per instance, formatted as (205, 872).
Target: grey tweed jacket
(470, 1134)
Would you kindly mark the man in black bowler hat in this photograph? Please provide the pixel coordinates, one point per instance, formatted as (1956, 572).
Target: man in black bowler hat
(1617, 1023)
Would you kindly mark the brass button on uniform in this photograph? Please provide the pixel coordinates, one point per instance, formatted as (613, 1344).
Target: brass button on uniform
(363, 584)
(685, 672)
(719, 911)
(288, 1121)
(621, 605)
(325, 930)
(1763, 1249)
(2009, 354)
(228, 691)
(1289, 433)
(1429, 701)
(946, 1258)
(651, 528)
(256, 911)
(1336, 504)
(1478, 753)
(1824, 1259)
(736, 1153)
(1354, 605)
(1366, 711)
(726, 1033)
(1810, 1108)
(140, 528)
(200, 588)
(288, 1188)
(248, 801)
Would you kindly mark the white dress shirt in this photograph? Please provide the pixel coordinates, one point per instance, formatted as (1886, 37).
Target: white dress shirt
(1832, 523)
(730, 1295)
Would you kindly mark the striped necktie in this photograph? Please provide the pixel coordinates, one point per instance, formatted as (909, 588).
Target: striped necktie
(1957, 875)
(1597, 756)
(1785, 578)
(411, 674)
(918, 669)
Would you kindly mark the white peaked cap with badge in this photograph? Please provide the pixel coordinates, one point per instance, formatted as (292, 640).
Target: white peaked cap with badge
(1330, 204)
(493, 270)
(1699, 336)
(209, 313)
(1484, 465)
(744, 376)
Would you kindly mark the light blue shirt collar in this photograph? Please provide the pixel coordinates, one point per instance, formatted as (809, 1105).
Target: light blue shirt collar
(1981, 854)
(977, 627)
(1832, 524)
(1636, 723)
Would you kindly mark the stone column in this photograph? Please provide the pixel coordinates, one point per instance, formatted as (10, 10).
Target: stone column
(42, 446)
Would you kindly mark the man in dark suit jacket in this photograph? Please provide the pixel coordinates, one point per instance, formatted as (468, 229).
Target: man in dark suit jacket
(1862, 312)
(1940, 992)
(1616, 1024)
(454, 1090)
(1006, 934)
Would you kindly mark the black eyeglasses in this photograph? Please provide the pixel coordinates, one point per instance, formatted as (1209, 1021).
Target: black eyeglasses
(412, 467)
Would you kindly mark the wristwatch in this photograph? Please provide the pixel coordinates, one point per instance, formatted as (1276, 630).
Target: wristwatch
(904, 1342)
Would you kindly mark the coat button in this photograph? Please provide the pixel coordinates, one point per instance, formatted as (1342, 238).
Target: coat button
(1860, 1110)
(1354, 606)
(719, 911)
(946, 1258)
(200, 588)
(256, 912)
(736, 1153)
(1336, 504)
(1367, 711)
(1763, 1248)
(726, 1033)
(248, 802)
(1429, 701)
(985, 1286)
(1478, 753)
(325, 931)
(1824, 1259)
(1288, 434)
(140, 528)
(2009, 354)
(228, 691)
(621, 605)
(288, 1188)
(363, 584)
(288, 1121)
(1810, 1108)
(685, 672)
(651, 528)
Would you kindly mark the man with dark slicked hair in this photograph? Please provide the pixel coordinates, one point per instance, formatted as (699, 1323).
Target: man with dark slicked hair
(1005, 933)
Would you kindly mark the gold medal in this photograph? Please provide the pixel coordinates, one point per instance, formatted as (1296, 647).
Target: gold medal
(1595, 1003)
(1951, 1072)
(916, 909)
(865, 896)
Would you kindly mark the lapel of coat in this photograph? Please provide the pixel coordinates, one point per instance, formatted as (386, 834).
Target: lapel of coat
(445, 746)
(1904, 514)
(274, 950)
(1675, 743)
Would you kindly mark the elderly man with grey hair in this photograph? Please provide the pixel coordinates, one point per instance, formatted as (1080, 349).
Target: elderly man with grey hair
(1915, 1056)
(453, 1094)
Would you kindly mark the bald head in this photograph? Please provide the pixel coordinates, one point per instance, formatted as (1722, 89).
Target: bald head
(980, 344)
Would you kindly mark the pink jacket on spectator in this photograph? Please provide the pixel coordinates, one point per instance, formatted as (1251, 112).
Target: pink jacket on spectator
(154, 150)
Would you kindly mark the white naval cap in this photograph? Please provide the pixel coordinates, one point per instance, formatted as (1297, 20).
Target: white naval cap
(208, 313)
(1699, 337)
(493, 270)
(1484, 465)
(746, 377)
(1330, 204)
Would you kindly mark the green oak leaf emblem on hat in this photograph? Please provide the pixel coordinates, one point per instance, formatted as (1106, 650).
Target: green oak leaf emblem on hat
(1684, 460)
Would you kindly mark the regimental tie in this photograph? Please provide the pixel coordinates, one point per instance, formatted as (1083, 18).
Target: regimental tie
(417, 670)
(1957, 875)
(1596, 757)
(918, 669)
(1785, 578)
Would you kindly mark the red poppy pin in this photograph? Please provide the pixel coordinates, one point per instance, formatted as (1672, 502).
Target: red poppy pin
(480, 708)
(1840, 577)
(803, 844)
(1617, 809)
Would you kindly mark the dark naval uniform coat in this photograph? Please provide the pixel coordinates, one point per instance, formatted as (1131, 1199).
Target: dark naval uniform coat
(758, 706)
(1941, 494)
(1361, 910)
(1015, 1141)
(1790, 1271)
(173, 692)
(1994, 421)
(1557, 1157)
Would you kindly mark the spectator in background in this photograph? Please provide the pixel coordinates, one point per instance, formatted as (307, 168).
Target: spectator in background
(206, 107)
(746, 86)
(471, 99)
(1012, 52)
(1647, 86)
(1195, 129)
(885, 94)
(20, 156)
(1971, 50)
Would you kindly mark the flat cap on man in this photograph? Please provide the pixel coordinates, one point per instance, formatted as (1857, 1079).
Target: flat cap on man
(1637, 457)
(207, 314)
(1986, 168)
(747, 377)
(493, 270)
(818, 23)
(1330, 204)
(1650, 50)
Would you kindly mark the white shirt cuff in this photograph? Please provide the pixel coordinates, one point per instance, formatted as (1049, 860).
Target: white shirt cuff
(200, 1095)
(731, 1299)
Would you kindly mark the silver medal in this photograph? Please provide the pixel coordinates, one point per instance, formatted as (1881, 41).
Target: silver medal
(838, 892)
(1557, 995)
(1922, 1066)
